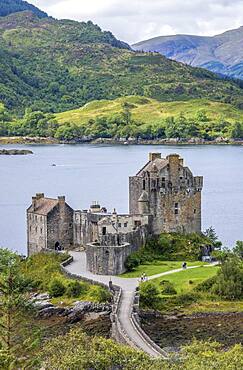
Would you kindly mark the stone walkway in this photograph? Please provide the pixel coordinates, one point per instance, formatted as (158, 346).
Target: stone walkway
(128, 286)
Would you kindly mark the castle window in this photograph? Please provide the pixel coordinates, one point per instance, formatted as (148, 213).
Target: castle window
(30, 228)
(125, 224)
(195, 211)
(144, 184)
(103, 230)
(176, 208)
(36, 229)
(119, 225)
(41, 230)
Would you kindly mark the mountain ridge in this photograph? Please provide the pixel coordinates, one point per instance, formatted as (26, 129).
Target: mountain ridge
(57, 65)
(14, 6)
(221, 54)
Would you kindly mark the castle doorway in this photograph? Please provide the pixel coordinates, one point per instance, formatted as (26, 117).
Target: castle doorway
(57, 246)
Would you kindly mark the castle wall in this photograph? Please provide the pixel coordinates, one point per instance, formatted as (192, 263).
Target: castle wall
(36, 233)
(60, 227)
(110, 260)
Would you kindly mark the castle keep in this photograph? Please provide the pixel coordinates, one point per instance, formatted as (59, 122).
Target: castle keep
(164, 196)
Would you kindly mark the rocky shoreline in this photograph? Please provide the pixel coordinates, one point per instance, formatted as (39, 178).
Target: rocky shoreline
(119, 141)
(172, 331)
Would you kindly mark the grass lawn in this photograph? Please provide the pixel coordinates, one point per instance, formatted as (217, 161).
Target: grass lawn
(158, 267)
(185, 281)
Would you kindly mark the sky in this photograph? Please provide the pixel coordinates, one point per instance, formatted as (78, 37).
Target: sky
(137, 20)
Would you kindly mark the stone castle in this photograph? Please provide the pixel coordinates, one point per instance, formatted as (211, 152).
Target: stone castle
(164, 196)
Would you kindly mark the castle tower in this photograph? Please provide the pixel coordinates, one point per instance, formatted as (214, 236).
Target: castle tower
(169, 192)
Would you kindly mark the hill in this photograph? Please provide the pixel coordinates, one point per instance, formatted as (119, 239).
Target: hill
(13, 6)
(137, 116)
(56, 65)
(221, 54)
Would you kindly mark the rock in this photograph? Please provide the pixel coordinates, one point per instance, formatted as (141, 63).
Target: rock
(52, 311)
(15, 152)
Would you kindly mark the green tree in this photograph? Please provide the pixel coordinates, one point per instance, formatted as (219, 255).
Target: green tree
(238, 249)
(149, 294)
(16, 341)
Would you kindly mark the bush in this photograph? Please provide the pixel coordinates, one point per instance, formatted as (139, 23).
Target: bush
(206, 285)
(167, 287)
(187, 298)
(149, 294)
(75, 288)
(100, 294)
(56, 288)
(132, 262)
(229, 280)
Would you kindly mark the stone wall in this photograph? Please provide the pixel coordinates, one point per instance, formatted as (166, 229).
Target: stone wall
(36, 233)
(107, 260)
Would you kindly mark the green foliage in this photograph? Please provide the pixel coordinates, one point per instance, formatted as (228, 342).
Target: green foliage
(167, 287)
(13, 6)
(149, 294)
(77, 351)
(75, 288)
(229, 281)
(238, 249)
(80, 63)
(100, 294)
(132, 262)
(56, 288)
(16, 343)
(169, 247)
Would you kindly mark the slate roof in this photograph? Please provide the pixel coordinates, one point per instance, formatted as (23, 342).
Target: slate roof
(44, 206)
(158, 162)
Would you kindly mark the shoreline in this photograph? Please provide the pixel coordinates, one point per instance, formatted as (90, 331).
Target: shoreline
(51, 141)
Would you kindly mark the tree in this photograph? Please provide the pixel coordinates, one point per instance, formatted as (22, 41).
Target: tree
(238, 249)
(229, 281)
(15, 339)
(149, 294)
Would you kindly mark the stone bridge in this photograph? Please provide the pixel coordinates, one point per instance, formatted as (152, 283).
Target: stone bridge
(125, 323)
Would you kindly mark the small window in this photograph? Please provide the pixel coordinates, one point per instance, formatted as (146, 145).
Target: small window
(125, 224)
(144, 184)
(30, 228)
(103, 230)
(176, 211)
(195, 211)
(41, 230)
(36, 229)
(176, 205)
(119, 225)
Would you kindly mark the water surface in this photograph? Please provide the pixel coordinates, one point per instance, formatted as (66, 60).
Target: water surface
(85, 173)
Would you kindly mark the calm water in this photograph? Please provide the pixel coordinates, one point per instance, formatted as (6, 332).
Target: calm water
(85, 173)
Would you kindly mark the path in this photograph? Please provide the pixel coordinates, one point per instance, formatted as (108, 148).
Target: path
(128, 286)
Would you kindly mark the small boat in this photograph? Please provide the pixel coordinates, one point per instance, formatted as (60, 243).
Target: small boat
(53, 165)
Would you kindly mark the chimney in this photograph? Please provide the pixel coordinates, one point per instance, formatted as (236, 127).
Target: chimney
(61, 200)
(153, 156)
(40, 196)
(34, 203)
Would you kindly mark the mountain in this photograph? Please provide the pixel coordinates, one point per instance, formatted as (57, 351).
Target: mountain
(221, 54)
(57, 65)
(13, 6)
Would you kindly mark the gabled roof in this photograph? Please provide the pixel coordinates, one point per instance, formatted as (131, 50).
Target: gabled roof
(158, 162)
(44, 206)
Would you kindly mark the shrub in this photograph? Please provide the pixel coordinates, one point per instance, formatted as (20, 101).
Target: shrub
(187, 298)
(132, 262)
(149, 294)
(206, 285)
(100, 294)
(56, 288)
(167, 287)
(75, 288)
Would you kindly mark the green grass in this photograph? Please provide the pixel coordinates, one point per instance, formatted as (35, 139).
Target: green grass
(146, 110)
(42, 268)
(182, 279)
(158, 267)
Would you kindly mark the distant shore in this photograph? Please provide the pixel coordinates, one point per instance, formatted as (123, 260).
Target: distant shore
(117, 141)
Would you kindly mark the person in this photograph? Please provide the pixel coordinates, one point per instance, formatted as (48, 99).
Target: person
(184, 265)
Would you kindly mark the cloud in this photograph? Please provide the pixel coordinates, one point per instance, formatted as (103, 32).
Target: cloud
(137, 20)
